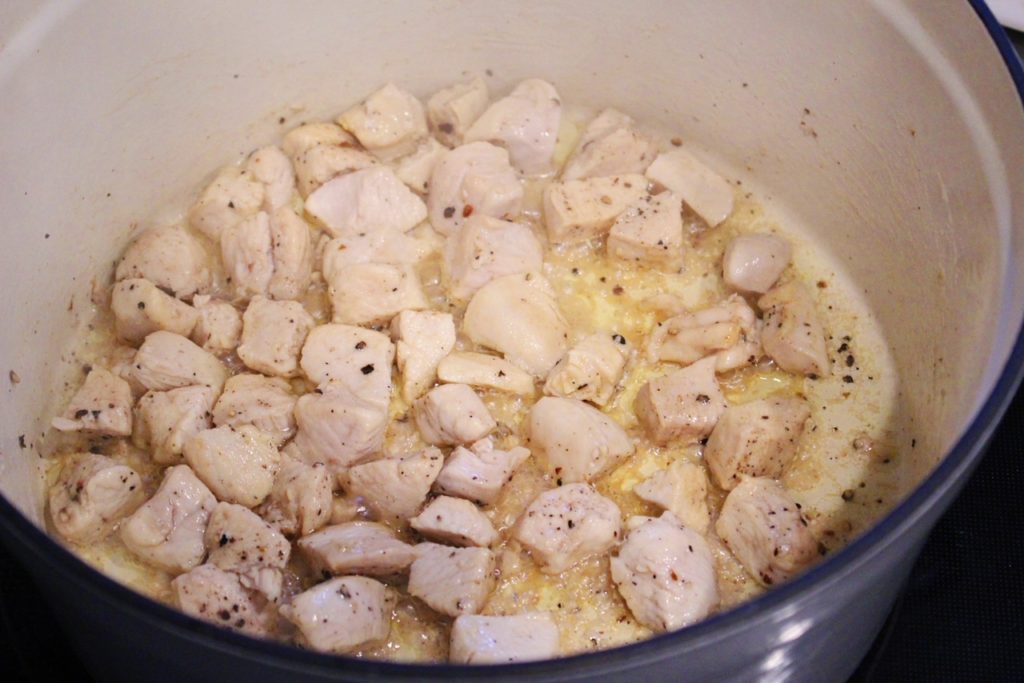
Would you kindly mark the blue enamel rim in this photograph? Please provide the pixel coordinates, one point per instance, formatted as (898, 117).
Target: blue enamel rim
(958, 463)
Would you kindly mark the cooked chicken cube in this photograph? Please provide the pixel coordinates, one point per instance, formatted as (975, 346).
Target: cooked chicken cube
(580, 210)
(220, 597)
(355, 357)
(168, 361)
(321, 151)
(455, 521)
(525, 122)
(292, 249)
(342, 614)
(266, 403)
(517, 315)
(339, 427)
(793, 335)
(452, 110)
(477, 473)
(526, 637)
(233, 196)
(91, 496)
(763, 528)
(683, 405)
(238, 464)
(385, 246)
(170, 258)
(356, 548)
(373, 293)
(270, 166)
(610, 145)
(650, 231)
(300, 500)
(485, 248)
(703, 190)
(245, 249)
(373, 199)
(218, 325)
(167, 420)
(273, 332)
(452, 414)
(389, 123)
(565, 526)
(140, 307)
(578, 441)
(666, 574)
(415, 169)
(239, 540)
(473, 180)
(102, 405)
(589, 371)
(452, 581)
(753, 263)
(309, 135)
(422, 339)
(167, 531)
(395, 488)
(483, 370)
(757, 439)
(730, 330)
(682, 489)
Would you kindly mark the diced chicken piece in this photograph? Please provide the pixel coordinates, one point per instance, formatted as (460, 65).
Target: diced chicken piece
(239, 540)
(682, 489)
(455, 521)
(273, 333)
(473, 180)
(292, 249)
(793, 336)
(452, 110)
(102, 405)
(730, 330)
(342, 614)
(91, 496)
(238, 464)
(452, 581)
(650, 231)
(373, 199)
(218, 325)
(245, 249)
(526, 637)
(210, 593)
(168, 361)
(517, 315)
(579, 442)
(589, 371)
(321, 151)
(703, 190)
(485, 248)
(170, 258)
(525, 123)
(373, 293)
(610, 145)
(422, 339)
(581, 210)
(415, 169)
(483, 370)
(167, 420)
(452, 414)
(565, 526)
(477, 473)
(339, 427)
(753, 263)
(682, 406)
(763, 528)
(397, 248)
(167, 531)
(358, 358)
(300, 500)
(270, 166)
(309, 135)
(266, 403)
(389, 123)
(666, 573)
(356, 548)
(395, 488)
(233, 196)
(757, 439)
(140, 307)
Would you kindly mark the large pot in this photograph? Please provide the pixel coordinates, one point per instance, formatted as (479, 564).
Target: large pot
(892, 130)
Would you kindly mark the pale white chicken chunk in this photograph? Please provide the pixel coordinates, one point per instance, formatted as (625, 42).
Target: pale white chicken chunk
(793, 335)
(763, 528)
(167, 531)
(581, 210)
(270, 166)
(357, 358)
(230, 198)
(730, 330)
(703, 190)
(218, 325)
(273, 333)
(356, 548)
(452, 110)
(321, 151)
(373, 199)
(310, 135)
(517, 315)
(102, 405)
(578, 441)
(452, 581)
(385, 246)
(168, 361)
(266, 403)
(566, 525)
(484, 370)
(452, 414)
(476, 179)
(170, 258)
(415, 169)
(683, 405)
(525, 122)
(395, 488)
(650, 231)
(342, 614)
(682, 489)
(590, 370)
(238, 540)
(666, 573)
(213, 594)
(389, 123)
(245, 249)
(422, 339)
(610, 145)
(485, 248)
(239, 464)
(292, 249)
(339, 427)
(300, 501)
(479, 472)
(373, 293)
(91, 495)
(167, 420)
(454, 521)
(753, 263)
(140, 307)
(526, 637)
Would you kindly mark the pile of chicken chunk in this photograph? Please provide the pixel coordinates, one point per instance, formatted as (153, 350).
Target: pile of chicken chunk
(270, 423)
